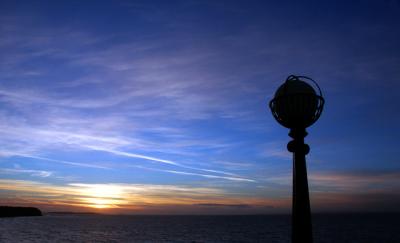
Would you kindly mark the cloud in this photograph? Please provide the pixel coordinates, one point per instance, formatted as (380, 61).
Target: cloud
(169, 162)
(231, 178)
(356, 181)
(19, 135)
(235, 165)
(119, 195)
(124, 82)
(210, 176)
(87, 165)
(224, 205)
(132, 155)
(355, 190)
(129, 197)
(276, 150)
(37, 173)
(75, 134)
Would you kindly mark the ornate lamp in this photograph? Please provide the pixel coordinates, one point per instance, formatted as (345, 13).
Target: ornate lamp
(297, 106)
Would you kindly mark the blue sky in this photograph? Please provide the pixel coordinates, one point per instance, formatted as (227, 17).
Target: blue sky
(161, 107)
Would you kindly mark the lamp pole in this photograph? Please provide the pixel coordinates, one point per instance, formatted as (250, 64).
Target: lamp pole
(301, 211)
(297, 106)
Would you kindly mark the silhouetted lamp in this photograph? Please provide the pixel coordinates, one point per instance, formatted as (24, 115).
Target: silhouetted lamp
(296, 105)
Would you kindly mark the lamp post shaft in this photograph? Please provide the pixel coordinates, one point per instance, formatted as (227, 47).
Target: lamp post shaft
(301, 215)
(296, 105)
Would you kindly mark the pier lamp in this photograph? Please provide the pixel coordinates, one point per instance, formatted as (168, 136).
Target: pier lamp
(296, 105)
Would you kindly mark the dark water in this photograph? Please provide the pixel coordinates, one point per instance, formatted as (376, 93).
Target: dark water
(100, 228)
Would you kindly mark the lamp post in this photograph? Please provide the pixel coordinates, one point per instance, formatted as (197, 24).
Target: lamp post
(297, 106)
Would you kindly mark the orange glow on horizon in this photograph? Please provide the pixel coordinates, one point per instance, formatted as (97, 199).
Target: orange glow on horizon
(130, 198)
(101, 196)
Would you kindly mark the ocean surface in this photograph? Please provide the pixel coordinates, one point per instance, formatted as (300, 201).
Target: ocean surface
(378, 228)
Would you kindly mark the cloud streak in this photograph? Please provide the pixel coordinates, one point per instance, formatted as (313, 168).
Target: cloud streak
(231, 178)
(37, 173)
(94, 166)
(130, 198)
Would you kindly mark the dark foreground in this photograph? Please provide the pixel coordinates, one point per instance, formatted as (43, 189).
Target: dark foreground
(103, 228)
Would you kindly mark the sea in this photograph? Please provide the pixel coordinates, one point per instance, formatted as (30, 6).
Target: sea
(379, 228)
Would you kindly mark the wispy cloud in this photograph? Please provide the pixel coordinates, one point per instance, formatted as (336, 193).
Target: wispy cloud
(224, 205)
(231, 178)
(39, 139)
(210, 176)
(129, 197)
(358, 181)
(276, 150)
(344, 181)
(88, 165)
(169, 162)
(122, 194)
(38, 173)
(132, 155)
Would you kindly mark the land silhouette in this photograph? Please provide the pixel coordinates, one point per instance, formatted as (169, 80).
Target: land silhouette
(8, 211)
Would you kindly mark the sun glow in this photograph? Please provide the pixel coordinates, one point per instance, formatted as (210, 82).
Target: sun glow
(101, 196)
(100, 202)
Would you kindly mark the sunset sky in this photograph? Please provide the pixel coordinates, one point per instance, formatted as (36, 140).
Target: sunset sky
(161, 107)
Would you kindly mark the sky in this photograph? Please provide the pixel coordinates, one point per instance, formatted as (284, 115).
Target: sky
(161, 107)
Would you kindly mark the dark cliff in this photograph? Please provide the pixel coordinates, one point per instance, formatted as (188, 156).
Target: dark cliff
(6, 211)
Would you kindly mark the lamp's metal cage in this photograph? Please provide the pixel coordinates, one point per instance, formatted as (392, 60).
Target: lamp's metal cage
(299, 109)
